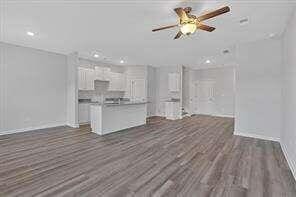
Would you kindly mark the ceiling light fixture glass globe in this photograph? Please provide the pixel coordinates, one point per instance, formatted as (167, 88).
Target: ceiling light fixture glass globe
(188, 28)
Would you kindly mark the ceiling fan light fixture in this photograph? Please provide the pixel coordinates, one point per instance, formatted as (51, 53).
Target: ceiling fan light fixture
(188, 28)
(188, 23)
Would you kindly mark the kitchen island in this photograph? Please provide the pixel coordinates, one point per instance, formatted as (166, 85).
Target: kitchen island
(108, 118)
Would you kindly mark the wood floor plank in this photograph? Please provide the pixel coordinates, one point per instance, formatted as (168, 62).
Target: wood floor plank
(195, 156)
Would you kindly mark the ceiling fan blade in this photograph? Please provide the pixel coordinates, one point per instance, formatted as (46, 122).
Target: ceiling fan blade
(205, 27)
(213, 13)
(181, 13)
(179, 34)
(166, 27)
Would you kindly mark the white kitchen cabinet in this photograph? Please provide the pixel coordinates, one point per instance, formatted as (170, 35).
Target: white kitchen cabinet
(83, 113)
(137, 89)
(81, 79)
(90, 85)
(86, 79)
(117, 82)
(172, 110)
(174, 82)
(102, 73)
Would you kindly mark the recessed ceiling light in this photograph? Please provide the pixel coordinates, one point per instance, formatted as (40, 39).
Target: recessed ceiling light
(208, 61)
(271, 35)
(244, 21)
(121, 61)
(29, 33)
(96, 56)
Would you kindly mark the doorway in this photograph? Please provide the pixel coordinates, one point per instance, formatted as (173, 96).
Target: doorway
(202, 98)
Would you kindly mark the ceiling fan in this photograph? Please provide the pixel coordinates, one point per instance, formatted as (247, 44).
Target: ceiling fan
(188, 23)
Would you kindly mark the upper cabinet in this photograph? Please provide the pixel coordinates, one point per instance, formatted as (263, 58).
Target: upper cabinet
(86, 79)
(117, 81)
(137, 89)
(174, 82)
(102, 73)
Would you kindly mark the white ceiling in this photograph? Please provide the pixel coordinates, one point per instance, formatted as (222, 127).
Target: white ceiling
(122, 29)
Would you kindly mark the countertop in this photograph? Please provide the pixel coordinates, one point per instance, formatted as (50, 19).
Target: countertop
(121, 103)
(173, 100)
(88, 102)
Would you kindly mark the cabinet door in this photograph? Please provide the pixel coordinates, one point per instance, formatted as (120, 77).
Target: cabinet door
(83, 113)
(168, 110)
(117, 82)
(122, 82)
(99, 73)
(81, 79)
(138, 89)
(174, 82)
(176, 110)
(89, 79)
(177, 82)
(92, 80)
(106, 74)
(113, 81)
(173, 110)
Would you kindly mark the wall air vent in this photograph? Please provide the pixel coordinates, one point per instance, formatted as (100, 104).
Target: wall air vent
(244, 21)
(226, 51)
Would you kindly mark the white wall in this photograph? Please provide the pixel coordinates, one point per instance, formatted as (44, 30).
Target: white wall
(72, 89)
(288, 136)
(151, 91)
(188, 74)
(33, 88)
(258, 103)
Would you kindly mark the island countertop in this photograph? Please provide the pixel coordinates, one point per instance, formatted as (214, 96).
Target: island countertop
(121, 103)
(107, 118)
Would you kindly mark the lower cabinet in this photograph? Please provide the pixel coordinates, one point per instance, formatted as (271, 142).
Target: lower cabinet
(83, 113)
(173, 110)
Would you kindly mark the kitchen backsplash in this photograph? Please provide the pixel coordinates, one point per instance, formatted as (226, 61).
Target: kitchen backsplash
(101, 91)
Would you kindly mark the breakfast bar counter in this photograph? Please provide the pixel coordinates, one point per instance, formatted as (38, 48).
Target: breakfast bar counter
(108, 118)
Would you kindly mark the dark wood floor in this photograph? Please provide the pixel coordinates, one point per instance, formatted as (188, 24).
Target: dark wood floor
(196, 156)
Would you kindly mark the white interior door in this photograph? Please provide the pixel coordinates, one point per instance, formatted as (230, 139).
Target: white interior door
(204, 97)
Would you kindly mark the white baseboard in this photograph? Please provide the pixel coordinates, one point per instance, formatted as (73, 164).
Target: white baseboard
(160, 114)
(291, 164)
(218, 115)
(72, 125)
(222, 115)
(83, 123)
(32, 128)
(257, 136)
